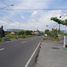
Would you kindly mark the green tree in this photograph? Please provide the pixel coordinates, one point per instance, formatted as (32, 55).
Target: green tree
(54, 33)
(59, 21)
(47, 32)
(28, 32)
(21, 33)
(65, 22)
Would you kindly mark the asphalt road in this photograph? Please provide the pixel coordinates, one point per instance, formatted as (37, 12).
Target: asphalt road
(17, 53)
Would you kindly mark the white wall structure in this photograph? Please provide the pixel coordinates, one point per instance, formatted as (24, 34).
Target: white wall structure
(65, 41)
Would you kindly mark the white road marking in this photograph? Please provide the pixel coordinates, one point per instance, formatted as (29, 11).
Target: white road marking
(32, 55)
(1, 49)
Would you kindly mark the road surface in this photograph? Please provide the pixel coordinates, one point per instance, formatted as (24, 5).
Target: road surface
(52, 54)
(17, 53)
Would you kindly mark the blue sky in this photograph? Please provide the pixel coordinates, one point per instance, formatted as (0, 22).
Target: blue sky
(59, 4)
(22, 15)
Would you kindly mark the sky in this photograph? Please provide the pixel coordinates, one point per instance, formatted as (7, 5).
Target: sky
(31, 14)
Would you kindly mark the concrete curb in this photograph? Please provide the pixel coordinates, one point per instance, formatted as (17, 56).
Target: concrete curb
(33, 57)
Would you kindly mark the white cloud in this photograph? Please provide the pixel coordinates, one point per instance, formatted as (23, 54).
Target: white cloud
(34, 13)
(45, 19)
(22, 17)
(32, 4)
(34, 24)
(39, 19)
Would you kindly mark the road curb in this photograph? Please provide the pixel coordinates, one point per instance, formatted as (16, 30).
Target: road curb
(33, 57)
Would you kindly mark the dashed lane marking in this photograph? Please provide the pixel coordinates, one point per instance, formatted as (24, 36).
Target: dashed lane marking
(1, 49)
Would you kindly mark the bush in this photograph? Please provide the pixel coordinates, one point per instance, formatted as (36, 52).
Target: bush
(0, 39)
(11, 36)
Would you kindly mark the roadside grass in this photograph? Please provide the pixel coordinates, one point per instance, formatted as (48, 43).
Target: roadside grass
(56, 37)
(65, 49)
(12, 37)
(51, 38)
(65, 34)
(1, 40)
(15, 36)
(24, 36)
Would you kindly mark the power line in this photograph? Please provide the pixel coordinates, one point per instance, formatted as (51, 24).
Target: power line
(31, 9)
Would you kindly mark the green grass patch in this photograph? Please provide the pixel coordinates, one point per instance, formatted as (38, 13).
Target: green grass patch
(1, 40)
(11, 36)
(65, 34)
(65, 48)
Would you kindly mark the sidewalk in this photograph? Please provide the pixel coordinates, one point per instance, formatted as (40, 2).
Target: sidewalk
(52, 54)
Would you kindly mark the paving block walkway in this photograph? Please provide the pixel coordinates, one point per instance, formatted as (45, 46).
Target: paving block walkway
(52, 54)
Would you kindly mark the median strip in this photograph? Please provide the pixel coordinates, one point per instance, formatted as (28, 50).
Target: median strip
(1, 49)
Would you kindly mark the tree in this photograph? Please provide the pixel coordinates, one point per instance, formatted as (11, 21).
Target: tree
(65, 22)
(57, 20)
(2, 32)
(28, 32)
(21, 33)
(47, 32)
(54, 33)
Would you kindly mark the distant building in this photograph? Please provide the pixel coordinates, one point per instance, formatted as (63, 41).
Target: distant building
(35, 33)
(12, 32)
